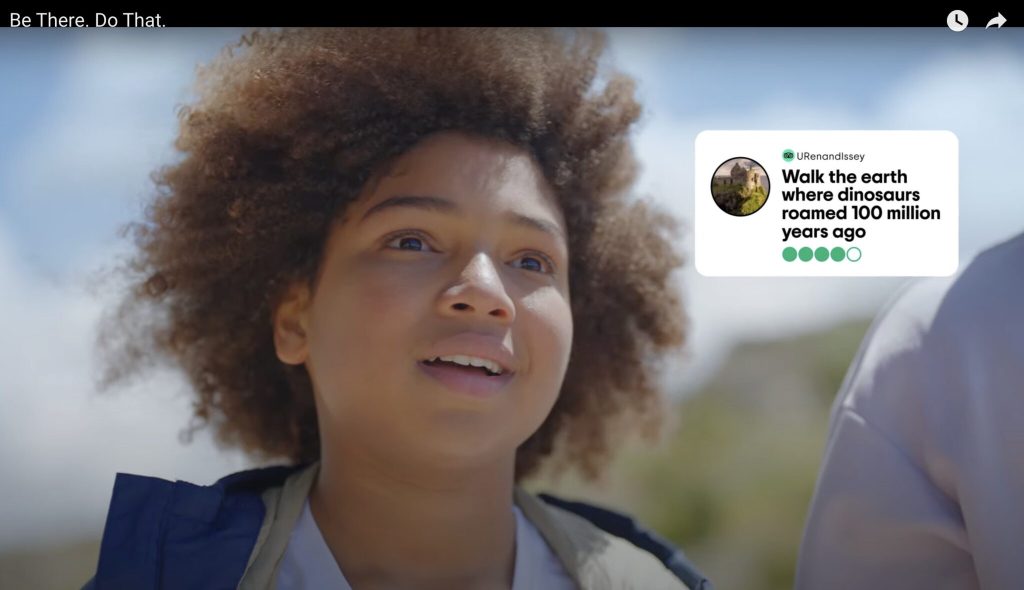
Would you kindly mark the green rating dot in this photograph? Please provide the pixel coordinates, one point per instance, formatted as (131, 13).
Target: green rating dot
(806, 253)
(838, 254)
(789, 253)
(821, 253)
(853, 254)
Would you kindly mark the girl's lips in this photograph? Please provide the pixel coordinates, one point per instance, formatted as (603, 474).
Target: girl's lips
(485, 346)
(467, 381)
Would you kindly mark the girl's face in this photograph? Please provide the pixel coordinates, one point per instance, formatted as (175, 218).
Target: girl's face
(459, 251)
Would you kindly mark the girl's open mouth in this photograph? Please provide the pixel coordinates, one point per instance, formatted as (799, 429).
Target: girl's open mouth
(441, 363)
(475, 381)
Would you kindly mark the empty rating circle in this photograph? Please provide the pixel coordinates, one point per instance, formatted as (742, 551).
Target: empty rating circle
(821, 253)
(853, 254)
(838, 254)
(789, 253)
(806, 253)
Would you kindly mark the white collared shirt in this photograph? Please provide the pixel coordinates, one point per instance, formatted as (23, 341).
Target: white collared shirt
(308, 563)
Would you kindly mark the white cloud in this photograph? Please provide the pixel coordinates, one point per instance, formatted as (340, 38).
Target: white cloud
(60, 442)
(976, 94)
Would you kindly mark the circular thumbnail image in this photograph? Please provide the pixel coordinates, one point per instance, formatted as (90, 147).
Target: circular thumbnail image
(740, 186)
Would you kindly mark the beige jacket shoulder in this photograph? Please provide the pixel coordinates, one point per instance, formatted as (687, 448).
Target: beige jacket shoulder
(596, 560)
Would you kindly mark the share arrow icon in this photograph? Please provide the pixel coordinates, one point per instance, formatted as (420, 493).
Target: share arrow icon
(998, 21)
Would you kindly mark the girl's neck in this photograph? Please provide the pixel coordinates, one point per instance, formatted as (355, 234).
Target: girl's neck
(394, 523)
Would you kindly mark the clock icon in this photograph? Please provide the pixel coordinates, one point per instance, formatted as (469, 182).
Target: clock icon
(957, 21)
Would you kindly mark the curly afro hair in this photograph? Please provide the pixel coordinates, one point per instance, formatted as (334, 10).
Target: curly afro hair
(286, 129)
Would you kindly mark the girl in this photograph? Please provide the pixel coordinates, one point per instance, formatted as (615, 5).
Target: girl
(404, 261)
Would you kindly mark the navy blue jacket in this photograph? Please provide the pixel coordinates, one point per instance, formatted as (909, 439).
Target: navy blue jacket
(176, 535)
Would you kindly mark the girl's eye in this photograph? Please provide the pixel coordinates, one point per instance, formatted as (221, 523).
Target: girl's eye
(538, 263)
(408, 241)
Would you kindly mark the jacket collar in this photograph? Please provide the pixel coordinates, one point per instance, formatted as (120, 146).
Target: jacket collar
(284, 507)
(162, 534)
(593, 558)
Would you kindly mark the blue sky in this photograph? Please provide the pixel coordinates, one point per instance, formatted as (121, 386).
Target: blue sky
(89, 114)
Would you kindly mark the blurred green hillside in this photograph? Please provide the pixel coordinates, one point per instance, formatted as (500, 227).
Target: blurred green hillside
(730, 484)
(732, 481)
(62, 567)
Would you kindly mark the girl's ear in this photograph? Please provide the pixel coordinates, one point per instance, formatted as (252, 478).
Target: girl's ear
(291, 325)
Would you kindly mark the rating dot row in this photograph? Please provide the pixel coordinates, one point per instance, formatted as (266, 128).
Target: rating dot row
(821, 254)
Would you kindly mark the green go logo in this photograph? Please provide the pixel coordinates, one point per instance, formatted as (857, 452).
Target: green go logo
(788, 155)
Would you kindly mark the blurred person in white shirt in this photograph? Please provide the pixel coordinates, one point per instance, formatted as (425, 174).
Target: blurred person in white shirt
(922, 482)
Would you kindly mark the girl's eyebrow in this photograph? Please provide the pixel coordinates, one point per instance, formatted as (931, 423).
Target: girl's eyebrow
(442, 205)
